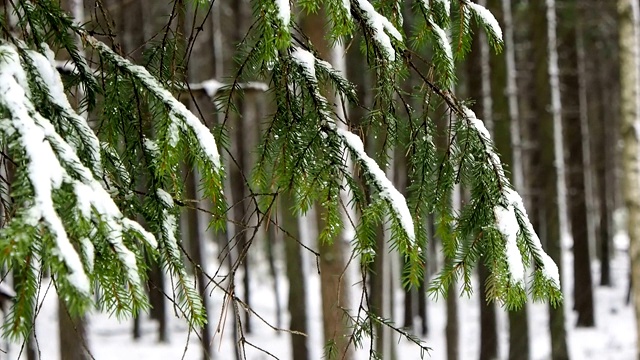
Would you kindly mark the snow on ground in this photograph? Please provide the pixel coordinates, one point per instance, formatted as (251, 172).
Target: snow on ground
(110, 339)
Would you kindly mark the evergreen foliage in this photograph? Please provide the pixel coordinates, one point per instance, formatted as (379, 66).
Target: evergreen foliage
(73, 192)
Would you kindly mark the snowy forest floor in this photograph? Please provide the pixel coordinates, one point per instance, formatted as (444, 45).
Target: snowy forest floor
(110, 339)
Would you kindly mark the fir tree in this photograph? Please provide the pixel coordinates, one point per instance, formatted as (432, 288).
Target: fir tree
(74, 198)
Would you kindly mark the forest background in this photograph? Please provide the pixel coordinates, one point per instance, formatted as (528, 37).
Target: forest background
(550, 91)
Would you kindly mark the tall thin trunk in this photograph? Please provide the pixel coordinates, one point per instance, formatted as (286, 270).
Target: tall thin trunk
(479, 87)
(334, 278)
(334, 293)
(73, 335)
(629, 57)
(196, 249)
(155, 18)
(556, 239)
(451, 328)
(512, 96)
(271, 241)
(518, 319)
(297, 301)
(382, 275)
(73, 329)
(587, 142)
(576, 167)
(606, 153)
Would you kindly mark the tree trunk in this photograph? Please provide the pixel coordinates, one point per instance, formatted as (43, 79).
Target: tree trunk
(556, 214)
(451, 327)
(334, 292)
(480, 87)
(488, 328)
(297, 301)
(270, 245)
(604, 124)
(72, 335)
(513, 154)
(334, 278)
(579, 219)
(628, 27)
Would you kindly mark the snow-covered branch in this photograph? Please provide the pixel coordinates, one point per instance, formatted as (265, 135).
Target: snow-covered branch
(47, 170)
(512, 209)
(46, 68)
(388, 192)
(381, 27)
(209, 87)
(179, 113)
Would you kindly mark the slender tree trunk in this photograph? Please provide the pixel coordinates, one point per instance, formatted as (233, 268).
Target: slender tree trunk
(488, 328)
(629, 57)
(607, 148)
(72, 335)
(297, 301)
(156, 14)
(481, 90)
(571, 110)
(270, 245)
(557, 222)
(452, 330)
(585, 126)
(334, 278)
(409, 309)
(196, 250)
(605, 126)
(334, 293)
(518, 319)
(72, 331)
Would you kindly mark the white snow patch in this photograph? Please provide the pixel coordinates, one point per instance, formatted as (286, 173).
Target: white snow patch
(443, 41)
(387, 190)
(7, 290)
(284, 11)
(514, 202)
(380, 24)
(46, 68)
(478, 125)
(129, 224)
(47, 174)
(11, 67)
(549, 267)
(305, 59)
(164, 196)
(169, 229)
(44, 171)
(89, 252)
(151, 146)
(346, 4)
(447, 6)
(507, 224)
(173, 134)
(487, 18)
(211, 87)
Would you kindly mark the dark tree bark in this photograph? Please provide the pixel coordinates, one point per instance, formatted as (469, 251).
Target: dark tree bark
(488, 328)
(271, 242)
(550, 195)
(334, 279)
(567, 48)
(600, 74)
(72, 335)
(452, 329)
(196, 254)
(297, 301)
